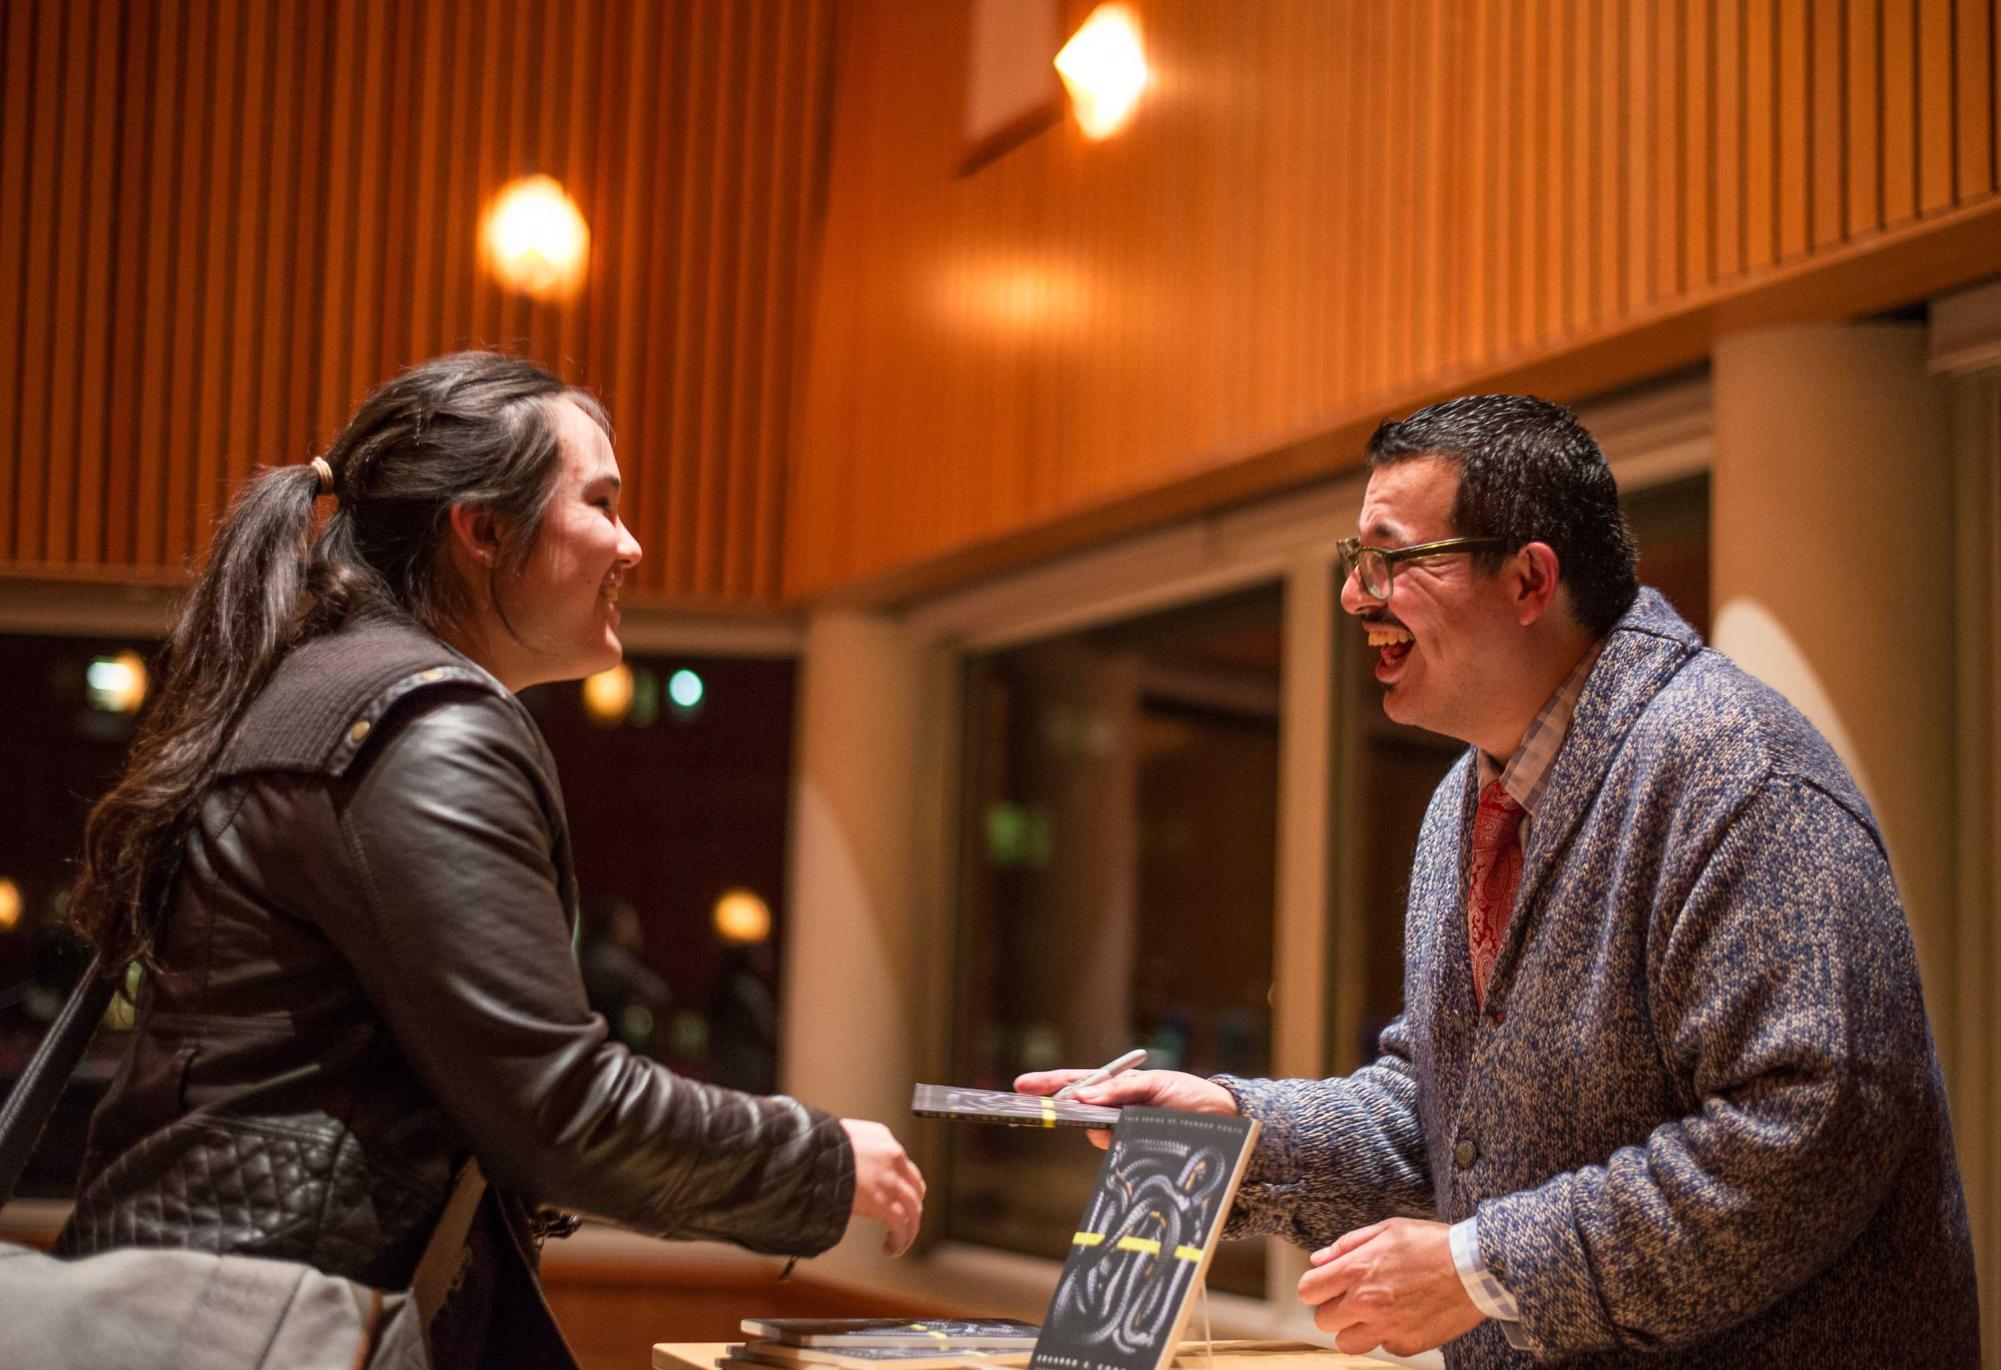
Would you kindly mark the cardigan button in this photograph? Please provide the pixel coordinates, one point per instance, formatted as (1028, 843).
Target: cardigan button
(1464, 1154)
(358, 731)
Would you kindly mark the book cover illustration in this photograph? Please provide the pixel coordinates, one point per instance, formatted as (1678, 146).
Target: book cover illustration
(931, 1334)
(1149, 1229)
(1000, 1106)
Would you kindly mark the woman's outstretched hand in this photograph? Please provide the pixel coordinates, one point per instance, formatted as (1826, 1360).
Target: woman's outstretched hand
(889, 1189)
(1148, 1088)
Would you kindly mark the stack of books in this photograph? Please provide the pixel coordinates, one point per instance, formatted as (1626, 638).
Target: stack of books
(880, 1343)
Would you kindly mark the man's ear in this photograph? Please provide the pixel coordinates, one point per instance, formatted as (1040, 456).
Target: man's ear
(1536, 579)
(476, 532)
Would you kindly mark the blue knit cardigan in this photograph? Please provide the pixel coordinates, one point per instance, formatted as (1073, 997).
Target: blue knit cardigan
(1700, 1121)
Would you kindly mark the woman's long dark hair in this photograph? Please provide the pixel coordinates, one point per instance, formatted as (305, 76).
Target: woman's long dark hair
(470, 428)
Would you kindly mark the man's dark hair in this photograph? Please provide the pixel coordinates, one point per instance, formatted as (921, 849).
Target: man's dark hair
(1528, 472)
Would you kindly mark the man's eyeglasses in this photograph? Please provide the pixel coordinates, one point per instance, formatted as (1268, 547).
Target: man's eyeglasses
(1375, 567)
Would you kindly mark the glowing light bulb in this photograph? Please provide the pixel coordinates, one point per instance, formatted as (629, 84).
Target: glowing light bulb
(535, 238)
(742, 917)
(10, 905)
(116, 684)
(608, 694)
(1103, 66)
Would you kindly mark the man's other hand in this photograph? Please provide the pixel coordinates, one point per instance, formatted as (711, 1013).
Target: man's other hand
(1391, 1284)
(1147, 1088)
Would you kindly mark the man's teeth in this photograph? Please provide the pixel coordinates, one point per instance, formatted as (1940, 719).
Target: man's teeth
(1384, 635)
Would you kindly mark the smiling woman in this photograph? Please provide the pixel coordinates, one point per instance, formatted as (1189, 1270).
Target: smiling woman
(340, 855)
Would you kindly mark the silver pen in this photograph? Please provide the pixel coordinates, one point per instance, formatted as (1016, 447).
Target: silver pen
(1103, 1072)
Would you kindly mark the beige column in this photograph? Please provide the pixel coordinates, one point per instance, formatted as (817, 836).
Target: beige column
(850, 1024)
(1833, 549)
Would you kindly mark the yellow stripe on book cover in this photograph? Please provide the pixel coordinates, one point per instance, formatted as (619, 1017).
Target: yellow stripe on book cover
(1088, 1239)
(1147, 1245)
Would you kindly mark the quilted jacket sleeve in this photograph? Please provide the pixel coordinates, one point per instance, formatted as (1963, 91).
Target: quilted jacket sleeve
(459, 937)
(1785, 988)
(1333, 1155)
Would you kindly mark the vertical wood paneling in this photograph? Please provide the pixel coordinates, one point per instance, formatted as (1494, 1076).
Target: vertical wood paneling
(77, 70)
(1339, 204)
(1477, 175)
(1428, 289)
(1795, 160)
(128, 279)
(17, 64)
(1609, 147)
(44, 183)
(245, 265)
(1371, 262)
(1864, 108)
(1973, 50)
(1581, 263)
(1552, 219)
(95, 320)
(1935, 105)
(1509, 162)
(1899, 59)
(194, 169)
(1829, 90)
(1400, 277)
(1668, 128)
(227, 220)
(1761, 134)
(218, 235)
(1727, 233)
(1636, 226)
(1698, 152)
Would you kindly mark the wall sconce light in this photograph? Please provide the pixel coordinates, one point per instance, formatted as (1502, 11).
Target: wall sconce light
(1103, 66)
(534, 238)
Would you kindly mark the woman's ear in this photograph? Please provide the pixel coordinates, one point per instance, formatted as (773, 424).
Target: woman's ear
(476, 532)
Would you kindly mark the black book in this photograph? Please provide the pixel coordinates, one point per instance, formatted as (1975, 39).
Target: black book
(1000, 1106)
(935, 1334)
(1148, 1232)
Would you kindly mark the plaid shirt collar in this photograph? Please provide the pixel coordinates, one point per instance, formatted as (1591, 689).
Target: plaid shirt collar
(1527, 771)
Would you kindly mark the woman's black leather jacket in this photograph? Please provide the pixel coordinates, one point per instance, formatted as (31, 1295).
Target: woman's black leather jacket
(366, 975)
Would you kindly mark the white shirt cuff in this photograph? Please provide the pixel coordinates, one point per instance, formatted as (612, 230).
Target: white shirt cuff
(1487, 1293)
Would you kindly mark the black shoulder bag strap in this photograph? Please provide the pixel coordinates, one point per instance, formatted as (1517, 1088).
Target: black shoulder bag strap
(33, 1098)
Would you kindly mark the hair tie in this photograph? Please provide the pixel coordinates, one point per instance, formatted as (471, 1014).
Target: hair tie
(319, 465)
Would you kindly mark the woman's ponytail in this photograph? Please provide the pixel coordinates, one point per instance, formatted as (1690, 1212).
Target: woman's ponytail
(236, 625)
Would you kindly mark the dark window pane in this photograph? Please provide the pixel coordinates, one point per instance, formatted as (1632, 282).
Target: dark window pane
(676, 801)
(67, 734)
(1120, 822)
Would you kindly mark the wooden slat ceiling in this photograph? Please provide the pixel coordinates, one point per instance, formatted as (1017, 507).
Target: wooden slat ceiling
(223, 221)
(1326, 211)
